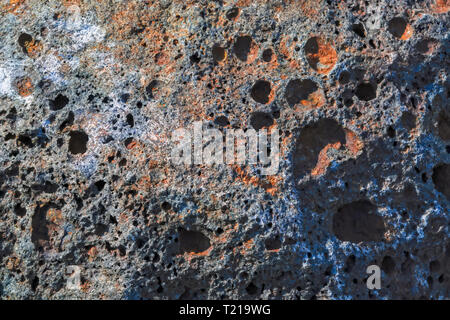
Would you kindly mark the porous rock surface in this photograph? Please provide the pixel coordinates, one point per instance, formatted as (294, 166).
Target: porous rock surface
(91, 91)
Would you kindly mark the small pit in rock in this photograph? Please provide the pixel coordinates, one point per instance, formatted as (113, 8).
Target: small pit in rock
(24, 40)
(397, 26)
(298, 90)
(233, 13)
(218, 53)
(78, 142)
(358, 222)
(242, 47)
(321, 56)
(59, 102)
(366, 91)
(441, 179)
(222, 121)
(259, 120)
(267, 55)
(261, 91)
(358, 28)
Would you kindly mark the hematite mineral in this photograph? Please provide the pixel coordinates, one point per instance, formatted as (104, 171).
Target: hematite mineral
(91, 92)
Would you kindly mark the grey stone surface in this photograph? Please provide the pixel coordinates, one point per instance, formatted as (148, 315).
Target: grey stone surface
(91, 91)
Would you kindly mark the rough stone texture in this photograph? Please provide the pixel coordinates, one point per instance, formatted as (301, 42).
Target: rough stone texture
(358, 89)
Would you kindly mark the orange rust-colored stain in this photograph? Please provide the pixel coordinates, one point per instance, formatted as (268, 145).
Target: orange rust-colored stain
(68, 3)
(154, 44)
(132, 145)
(243, 3)
(245, 178)
(272, 186)
(323, 162)
(283, 48)
(25, 87)
(143, 183)
(223, 238)
(441, 6)
(162, 58)
(326, 56)
(253, 54)
(309, 8)
(286, 51)
(272, 94)
(408, 32)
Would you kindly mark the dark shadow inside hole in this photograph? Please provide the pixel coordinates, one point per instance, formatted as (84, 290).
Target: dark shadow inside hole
(397, 26)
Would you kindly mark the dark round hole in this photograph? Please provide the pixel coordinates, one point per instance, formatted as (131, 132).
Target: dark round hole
(397, 26)
(59, 102)
(222, 121)
(298, 90)
(366, 91)
(78, 142)
(358, 28)
(218, 53)
(260, 120)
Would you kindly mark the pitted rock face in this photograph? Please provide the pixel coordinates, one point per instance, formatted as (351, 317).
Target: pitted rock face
(92, 91)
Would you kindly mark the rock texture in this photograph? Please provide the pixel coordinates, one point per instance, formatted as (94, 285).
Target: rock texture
(91, 91)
